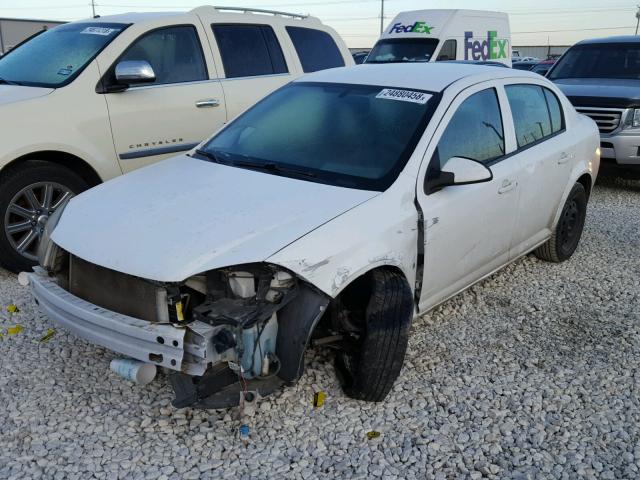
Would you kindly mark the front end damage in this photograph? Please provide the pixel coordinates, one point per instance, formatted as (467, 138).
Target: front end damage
(220, 333)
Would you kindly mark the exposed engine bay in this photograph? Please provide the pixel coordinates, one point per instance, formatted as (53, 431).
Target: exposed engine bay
(239, 329)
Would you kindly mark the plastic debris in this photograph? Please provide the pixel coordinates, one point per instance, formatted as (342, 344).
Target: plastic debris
(248, 403)
(373, 434)
(47, 336)
(244, 433)
(318, 399)
(14, 330)
(12, 308)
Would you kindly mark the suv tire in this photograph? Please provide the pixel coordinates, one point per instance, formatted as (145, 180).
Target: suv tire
(31, 177)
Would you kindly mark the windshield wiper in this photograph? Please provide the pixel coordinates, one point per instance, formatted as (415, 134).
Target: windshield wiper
(209, 155)
(4, 81)
(273, 168)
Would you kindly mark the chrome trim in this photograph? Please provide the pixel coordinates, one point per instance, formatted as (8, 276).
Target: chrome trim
(211, 102)
(609, 120)
(149, 152)
(225, 79)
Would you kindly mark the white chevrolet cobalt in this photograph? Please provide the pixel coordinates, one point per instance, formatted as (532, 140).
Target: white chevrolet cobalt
(332, 212)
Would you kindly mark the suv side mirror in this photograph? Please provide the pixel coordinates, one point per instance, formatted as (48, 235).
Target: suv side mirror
(457, 171)
(131, 72)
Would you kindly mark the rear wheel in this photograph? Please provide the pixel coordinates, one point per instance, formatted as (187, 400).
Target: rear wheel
(29, 194)
(377, 334)
(568, 231)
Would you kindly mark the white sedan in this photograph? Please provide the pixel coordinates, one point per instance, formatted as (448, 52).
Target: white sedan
(334, 211)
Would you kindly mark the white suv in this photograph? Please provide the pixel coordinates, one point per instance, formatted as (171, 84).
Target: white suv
(339, 206)
(90, 100)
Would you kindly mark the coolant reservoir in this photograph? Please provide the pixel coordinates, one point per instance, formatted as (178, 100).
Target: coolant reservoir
(242, 284)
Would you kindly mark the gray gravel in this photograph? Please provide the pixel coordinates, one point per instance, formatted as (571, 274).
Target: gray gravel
(533, 373)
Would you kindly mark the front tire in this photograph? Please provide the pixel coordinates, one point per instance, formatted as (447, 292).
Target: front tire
(568, 231)
(369, 369)
(29, 194)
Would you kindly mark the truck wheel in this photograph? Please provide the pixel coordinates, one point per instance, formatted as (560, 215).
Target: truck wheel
(29, 194)
(568, 231)
(370, 364)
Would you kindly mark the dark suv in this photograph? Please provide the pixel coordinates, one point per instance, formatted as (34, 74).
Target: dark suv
(601, 77)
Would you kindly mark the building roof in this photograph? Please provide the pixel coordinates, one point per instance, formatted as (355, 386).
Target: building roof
(433, 77)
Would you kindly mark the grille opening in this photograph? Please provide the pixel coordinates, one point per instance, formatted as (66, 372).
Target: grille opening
(607, 119)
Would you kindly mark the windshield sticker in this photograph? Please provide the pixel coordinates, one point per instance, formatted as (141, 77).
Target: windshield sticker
(65, 71)
(99, 31)
(404, 95)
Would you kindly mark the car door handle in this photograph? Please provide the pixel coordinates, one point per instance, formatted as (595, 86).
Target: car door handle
(564, 158)
(210, 102)
(507, 185)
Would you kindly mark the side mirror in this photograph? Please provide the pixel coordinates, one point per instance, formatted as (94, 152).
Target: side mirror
(131, 72)
(457, 171)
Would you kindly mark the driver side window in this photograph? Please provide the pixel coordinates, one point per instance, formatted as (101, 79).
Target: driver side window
(475, 130)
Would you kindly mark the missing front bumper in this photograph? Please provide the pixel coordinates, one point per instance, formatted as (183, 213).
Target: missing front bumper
(187, 350)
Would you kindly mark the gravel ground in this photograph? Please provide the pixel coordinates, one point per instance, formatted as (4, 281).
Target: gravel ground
(533, 373)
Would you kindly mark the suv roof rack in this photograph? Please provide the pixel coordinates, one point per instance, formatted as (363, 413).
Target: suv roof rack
(259, 10)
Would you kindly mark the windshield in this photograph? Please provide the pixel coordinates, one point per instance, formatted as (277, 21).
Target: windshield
(604, 60)
(402, 50)
(356, 136)
(55, 57)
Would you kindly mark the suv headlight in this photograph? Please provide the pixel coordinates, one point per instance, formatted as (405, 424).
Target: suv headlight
(47, 250)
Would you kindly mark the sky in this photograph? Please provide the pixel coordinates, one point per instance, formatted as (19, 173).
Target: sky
(533, 22)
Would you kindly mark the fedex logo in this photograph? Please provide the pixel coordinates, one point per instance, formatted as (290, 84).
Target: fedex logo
(490, 49)
(418, 27)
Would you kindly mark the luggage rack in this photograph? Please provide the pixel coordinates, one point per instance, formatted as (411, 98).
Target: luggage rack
(259, 10)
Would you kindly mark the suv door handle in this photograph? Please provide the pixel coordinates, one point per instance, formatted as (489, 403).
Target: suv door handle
(564, 157)
(209, 102)
(507, 185)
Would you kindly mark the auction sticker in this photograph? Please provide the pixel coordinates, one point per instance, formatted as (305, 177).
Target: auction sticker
(404, 95)
(99, 30)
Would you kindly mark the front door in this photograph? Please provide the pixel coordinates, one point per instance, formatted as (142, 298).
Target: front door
(468, 228)
(182, 107)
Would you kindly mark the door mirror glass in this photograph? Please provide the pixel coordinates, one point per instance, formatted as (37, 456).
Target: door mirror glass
(131, 72)
(457, 171)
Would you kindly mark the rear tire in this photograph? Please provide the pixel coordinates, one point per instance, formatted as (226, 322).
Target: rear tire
(568, 231)
(24, 188)
(368, 371)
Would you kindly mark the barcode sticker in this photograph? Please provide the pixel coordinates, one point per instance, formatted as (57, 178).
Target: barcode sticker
(99, 31)
(404, 95)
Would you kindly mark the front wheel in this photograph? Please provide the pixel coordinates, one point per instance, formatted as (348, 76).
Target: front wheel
(370, 364)
(568, 231)
(29, 194)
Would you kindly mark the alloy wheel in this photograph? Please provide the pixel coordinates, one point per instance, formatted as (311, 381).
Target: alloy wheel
(28, 213)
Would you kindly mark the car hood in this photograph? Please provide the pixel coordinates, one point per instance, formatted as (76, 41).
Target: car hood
(183, 216)
(17, 93)
(601, 92)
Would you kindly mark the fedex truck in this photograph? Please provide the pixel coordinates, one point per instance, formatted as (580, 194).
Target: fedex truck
(436, 35)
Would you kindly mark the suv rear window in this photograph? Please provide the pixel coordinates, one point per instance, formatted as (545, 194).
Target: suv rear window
(316, 49)
(249, 50)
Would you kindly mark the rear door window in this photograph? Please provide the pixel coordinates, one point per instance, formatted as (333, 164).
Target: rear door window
(475, 131)
(536, 113)
(174, 53)
(316, 49)
(249, 50)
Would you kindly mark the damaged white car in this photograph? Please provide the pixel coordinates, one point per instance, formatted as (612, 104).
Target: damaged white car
(333, 211)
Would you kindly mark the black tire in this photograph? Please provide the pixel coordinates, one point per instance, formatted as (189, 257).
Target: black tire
(568, 231)
(369, 371)
(15, 179)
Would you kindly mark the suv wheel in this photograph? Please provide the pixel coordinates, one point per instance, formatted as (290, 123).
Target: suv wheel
(29, 194)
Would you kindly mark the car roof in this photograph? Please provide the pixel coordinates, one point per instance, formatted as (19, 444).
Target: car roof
(433, 77)
(614, 39)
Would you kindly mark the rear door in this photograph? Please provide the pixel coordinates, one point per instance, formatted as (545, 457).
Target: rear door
(546, 151)
(182, 107)
(251, 60)
(468, 229)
